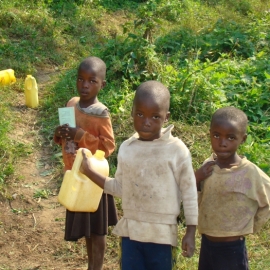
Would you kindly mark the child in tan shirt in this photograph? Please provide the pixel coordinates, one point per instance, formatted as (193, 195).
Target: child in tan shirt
(234, 195)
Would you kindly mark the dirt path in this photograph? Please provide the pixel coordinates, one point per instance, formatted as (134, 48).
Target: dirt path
(31, 227)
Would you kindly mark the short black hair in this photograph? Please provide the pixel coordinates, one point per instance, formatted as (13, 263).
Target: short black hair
(231, 113)
(154, 90)
(96, 64)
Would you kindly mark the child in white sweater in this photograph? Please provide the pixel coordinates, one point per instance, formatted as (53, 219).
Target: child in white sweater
(154, 175)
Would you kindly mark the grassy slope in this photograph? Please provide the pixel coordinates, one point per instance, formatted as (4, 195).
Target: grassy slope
(35, 36)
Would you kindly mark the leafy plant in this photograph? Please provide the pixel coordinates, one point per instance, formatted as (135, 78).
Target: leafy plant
(139, 61)
(42, 193)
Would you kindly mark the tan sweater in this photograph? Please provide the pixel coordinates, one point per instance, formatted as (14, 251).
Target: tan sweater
(153, 178)
(234, 201)
(95, 132)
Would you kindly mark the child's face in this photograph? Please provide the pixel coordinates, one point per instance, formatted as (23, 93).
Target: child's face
(226, 136)
(88, 85)
(148, 118)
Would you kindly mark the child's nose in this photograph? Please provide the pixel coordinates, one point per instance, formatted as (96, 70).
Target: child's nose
(147, 122)
(222, 142)
(85, 84)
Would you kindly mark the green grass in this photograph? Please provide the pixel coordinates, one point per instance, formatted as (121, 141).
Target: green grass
(209, 53)
(10, 148)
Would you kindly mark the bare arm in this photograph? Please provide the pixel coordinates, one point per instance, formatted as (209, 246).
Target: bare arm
(91, 173)
(262, 196)
(188, 241)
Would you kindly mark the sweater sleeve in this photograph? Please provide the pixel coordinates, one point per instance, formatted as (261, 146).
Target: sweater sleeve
(262, 196)
(113, 186)
(187, 185)
(104, 141)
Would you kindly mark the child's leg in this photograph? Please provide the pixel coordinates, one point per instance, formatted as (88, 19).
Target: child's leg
(205, 255)
(223, 255)
(95, 246)
(159, 256)
(143, 256)
(131, 255)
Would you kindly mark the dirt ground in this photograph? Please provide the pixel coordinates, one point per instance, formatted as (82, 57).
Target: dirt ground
(32, 228)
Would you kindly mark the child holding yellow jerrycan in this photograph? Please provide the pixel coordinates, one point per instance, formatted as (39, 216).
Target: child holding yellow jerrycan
(154, 175)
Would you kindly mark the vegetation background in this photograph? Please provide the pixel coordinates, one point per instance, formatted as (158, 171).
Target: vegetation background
(209, 53)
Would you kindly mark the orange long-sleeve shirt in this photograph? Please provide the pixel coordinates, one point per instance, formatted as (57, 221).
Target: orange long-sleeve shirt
(95, 132)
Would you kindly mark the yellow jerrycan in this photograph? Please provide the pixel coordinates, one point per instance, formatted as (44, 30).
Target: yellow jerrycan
(78, 193)
(31, 92)
(7, 76)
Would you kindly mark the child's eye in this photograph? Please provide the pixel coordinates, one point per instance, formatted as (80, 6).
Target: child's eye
(215, 136)
(139, 114)
(92, 81)
(231, 138)
(156, 117)
(80, 80)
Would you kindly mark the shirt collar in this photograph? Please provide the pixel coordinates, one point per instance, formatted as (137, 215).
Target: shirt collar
(165, 135)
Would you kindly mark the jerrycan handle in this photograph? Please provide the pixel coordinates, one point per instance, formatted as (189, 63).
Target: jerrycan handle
(79, 158)
(29, 82)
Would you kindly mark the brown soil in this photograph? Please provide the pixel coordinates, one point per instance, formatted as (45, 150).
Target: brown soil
(31, 227)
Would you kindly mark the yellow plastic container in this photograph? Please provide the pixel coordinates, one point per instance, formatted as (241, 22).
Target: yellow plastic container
(78, 193)
(31, 92)
(7, 76)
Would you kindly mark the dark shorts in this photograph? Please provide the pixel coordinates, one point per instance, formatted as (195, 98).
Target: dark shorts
(146, 256)
(223, 255)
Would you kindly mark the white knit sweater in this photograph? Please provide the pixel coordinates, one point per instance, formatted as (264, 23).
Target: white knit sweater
(153, 178)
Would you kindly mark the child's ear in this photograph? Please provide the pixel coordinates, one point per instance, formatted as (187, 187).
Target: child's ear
(167, 117)
(104, 83)
(244, 138)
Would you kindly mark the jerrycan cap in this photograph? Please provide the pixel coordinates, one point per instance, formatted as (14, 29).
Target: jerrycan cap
(100, 154)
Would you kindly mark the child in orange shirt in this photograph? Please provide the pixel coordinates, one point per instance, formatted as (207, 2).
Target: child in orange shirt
(93, 131)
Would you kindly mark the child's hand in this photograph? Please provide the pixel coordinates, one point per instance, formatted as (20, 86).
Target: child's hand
(188, 241)
(66, 132)
(205, 171)
(87, 169)
(85, 166)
